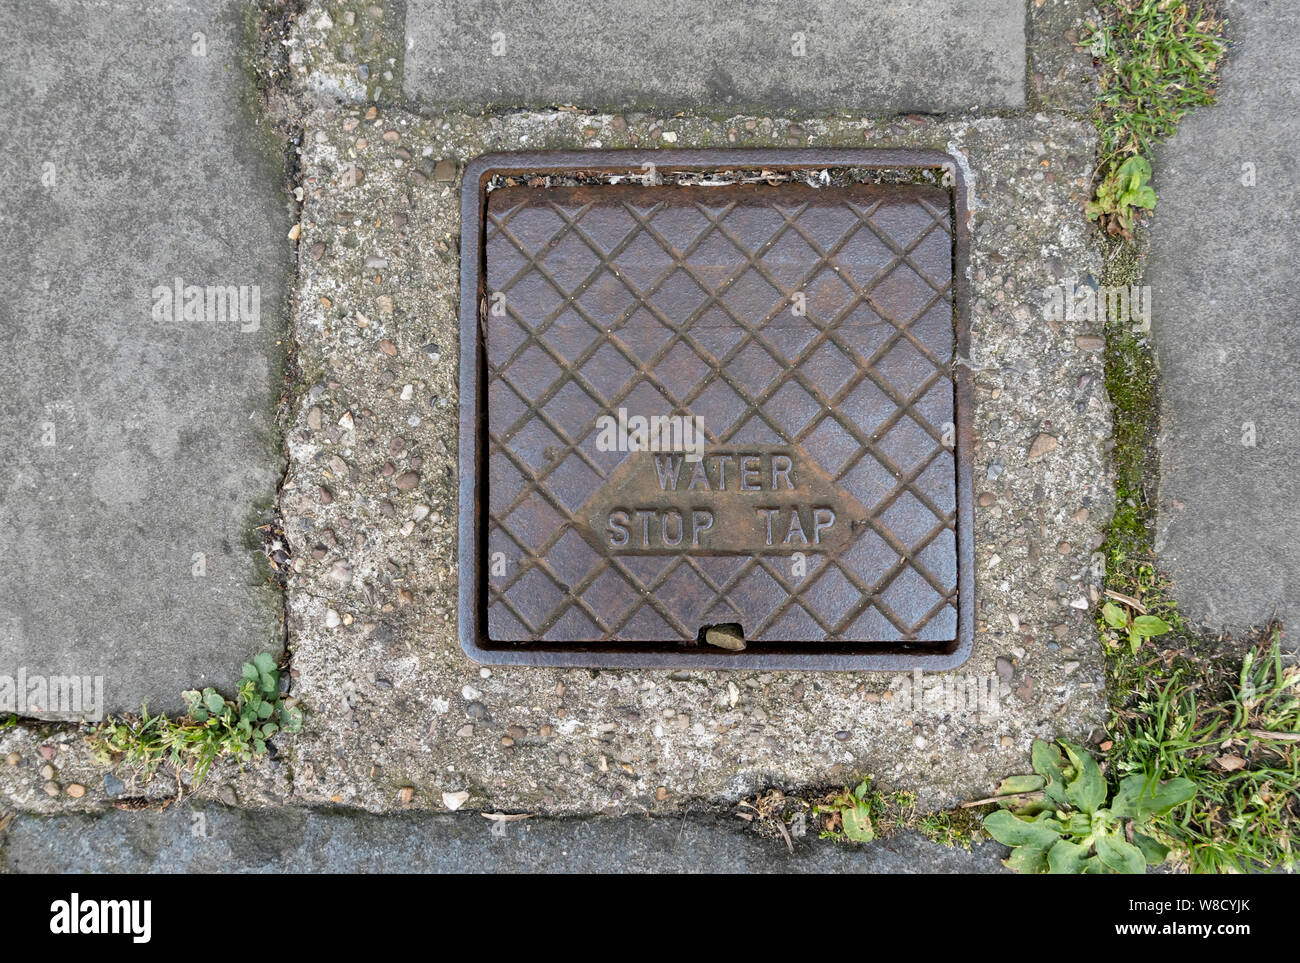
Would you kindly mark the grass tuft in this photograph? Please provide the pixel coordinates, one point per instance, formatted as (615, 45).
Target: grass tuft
(1232, 725)
(1156, 60)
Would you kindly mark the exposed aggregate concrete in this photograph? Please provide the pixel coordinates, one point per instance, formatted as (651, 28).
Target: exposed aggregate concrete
(372, 611)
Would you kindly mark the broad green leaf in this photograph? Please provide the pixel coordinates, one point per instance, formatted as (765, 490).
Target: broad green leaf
(1139, 797)
(1042, 831)
(1066, 857)
(264, 662)
(213, 701)
(1120, 855)
(1115, 616)
(1134, 641)
(290, 719)
(1149, 625)
(1136, 166)
(1167, 796)
(1087, 791)
(1027, 859)
(250, 671)
(1125, 803)
(1048, 763)
(1019, 784)
(264, 710)
(862, 790)
(270, 682)
(1144, 197)
(857, 824)
(1153, 852)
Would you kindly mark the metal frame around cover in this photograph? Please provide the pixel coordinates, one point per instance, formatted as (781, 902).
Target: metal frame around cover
(839, 656)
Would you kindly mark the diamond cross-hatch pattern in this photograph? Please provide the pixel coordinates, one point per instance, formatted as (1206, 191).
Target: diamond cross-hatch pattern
(806, 333)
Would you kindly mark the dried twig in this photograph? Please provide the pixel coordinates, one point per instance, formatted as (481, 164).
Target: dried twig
(1128, 600)
(1275, 736)
(971, 803)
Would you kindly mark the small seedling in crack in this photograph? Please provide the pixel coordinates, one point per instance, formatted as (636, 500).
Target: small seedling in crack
(1123, 189)
(849, 814)
(1136, 627)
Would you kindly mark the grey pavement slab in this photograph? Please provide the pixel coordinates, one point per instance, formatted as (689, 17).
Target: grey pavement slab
(1224, 256)
(139, 429)
(867, 56)
(215, 839)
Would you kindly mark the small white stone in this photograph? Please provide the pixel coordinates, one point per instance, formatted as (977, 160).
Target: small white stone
(454, 800)
(407, 392)
(670, 137)
(332, 619)
(470, 694)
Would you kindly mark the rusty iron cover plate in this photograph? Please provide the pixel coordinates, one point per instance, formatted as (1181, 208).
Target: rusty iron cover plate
(687, 406)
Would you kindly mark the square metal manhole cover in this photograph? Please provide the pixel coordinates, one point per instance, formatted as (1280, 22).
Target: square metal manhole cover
(719, 391)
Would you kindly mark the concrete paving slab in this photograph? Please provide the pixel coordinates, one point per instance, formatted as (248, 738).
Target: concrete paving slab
(867, 56)
(1061, 75)
(1223, 260)
(215, 839)
(141, 348)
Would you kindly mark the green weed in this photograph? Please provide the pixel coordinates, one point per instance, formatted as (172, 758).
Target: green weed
(1156, 60)
(848, 814)
(1066, 819)
(1233, 728)
(214, 726)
